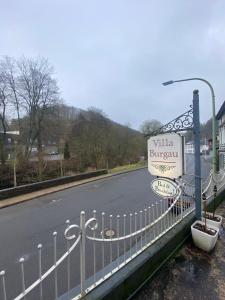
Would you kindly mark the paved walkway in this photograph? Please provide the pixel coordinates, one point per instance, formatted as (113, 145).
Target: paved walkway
(191, 275)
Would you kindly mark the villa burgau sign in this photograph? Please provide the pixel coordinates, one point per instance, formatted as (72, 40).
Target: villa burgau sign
(165, 188)
(166, 155)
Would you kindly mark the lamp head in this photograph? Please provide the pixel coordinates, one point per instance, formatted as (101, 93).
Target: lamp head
(167, 82)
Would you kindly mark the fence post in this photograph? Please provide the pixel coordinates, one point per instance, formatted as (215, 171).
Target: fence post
(181, 206)
(82, 253)
(196, 129)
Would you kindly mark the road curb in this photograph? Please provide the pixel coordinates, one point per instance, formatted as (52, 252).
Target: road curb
(37, 194)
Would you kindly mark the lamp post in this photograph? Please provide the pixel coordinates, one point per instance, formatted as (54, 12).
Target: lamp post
(213, 114)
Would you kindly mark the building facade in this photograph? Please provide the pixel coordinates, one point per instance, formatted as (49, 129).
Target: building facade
(204, 147)
(221, 134)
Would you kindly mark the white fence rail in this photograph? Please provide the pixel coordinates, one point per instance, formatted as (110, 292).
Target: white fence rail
(106, 244)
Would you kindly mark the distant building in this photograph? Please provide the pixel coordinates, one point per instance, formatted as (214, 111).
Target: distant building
(189, 147)
(221, 128)
(50, 152)
(204, 147)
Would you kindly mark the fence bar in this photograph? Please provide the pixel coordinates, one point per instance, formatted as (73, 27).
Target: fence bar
(149, 221)
(145, 216)
(130, 232)
(181, 206)
(176, 212)
(141, 222)
(172, 213)
(40, 269)
(110, 227)
(157, 215)
(170, 218)
(124, 233)
(55, 260)
(82, 253)
(94, 249)
(161, 212)
(2, 274)
(68, 261)
(118, 235)
(103, 245)
(135, 229)
(165, 218)
(153, 219)
(22, 274)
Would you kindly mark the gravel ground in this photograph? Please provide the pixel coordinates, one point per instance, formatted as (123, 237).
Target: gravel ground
(192, 274)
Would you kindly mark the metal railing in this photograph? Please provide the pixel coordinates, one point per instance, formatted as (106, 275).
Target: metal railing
(107, 243)
(113, 240)
(217, 179)
(208, 184)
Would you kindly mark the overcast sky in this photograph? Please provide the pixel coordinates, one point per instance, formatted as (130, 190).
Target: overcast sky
(114, 54)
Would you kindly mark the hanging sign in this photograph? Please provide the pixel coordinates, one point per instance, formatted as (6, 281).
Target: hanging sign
(166, 155)
(165, 188)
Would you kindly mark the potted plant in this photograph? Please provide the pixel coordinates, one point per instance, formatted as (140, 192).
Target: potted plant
(204, 236)
(212, 218)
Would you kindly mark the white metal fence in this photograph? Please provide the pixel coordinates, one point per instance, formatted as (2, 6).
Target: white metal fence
(104, 244)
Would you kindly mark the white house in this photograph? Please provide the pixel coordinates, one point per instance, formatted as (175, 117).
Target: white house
(204, 147)
(189, 147)
(221, 134)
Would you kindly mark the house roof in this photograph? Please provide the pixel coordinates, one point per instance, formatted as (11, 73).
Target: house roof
(221, 111)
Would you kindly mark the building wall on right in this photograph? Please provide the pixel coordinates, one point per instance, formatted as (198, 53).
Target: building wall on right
(221, 135)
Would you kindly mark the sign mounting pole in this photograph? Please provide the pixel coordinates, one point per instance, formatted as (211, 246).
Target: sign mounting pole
(196, 130)
(187, 121)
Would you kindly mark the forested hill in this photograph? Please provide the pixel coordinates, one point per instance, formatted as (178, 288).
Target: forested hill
(92, 138)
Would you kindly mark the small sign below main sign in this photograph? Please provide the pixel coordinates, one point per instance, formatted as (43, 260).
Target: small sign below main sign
(166, 155)
(165, 188)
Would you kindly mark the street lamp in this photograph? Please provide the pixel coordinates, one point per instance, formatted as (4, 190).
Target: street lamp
(213, 113)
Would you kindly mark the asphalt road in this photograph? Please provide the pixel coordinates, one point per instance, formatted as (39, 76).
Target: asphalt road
(24, 226)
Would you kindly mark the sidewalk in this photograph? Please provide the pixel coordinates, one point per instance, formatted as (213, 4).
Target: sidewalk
(191, 275)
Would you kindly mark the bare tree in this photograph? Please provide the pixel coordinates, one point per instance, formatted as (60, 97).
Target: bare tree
(38, 91)
(3, 121)
(10, 74)
(149, 126)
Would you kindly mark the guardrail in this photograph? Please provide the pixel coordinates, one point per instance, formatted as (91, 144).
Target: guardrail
(106, 243)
